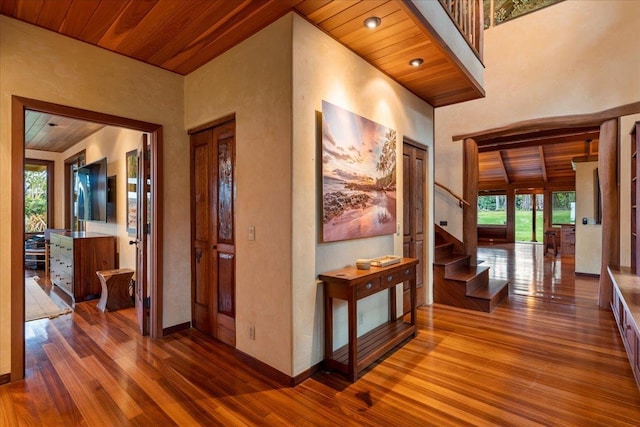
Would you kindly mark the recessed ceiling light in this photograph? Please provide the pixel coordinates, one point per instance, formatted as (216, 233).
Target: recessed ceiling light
(52, 124)
(416, 62)
(372, 22)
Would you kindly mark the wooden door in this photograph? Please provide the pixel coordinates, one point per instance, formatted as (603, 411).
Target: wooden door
(414, 170)
(143, 189)
(213, 231)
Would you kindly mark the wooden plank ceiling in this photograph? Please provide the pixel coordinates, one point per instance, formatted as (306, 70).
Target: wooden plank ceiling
(536, 160)
(181, 36)
(54, 133)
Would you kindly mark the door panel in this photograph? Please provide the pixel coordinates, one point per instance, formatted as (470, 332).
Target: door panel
(414, 175)
(213, 248)
(142, 236)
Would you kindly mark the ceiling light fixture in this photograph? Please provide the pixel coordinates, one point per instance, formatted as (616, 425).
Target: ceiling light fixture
(416, 62)
(372, 22)
(52, 124)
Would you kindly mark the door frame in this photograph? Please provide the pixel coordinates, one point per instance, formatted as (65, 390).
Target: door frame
(18, 107)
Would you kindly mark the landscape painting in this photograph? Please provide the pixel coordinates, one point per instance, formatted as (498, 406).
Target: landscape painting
(358, 176)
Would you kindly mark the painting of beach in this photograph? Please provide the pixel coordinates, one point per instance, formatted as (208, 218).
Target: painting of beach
(358, 176)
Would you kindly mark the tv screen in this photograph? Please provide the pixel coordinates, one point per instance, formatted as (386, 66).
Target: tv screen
(91, 191)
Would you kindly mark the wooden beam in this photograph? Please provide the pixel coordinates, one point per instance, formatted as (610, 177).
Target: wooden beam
(502, 166)
(560, 185)
(607, 172)
(543, 164)
(537, 139)
(470, 194)
(550, 123)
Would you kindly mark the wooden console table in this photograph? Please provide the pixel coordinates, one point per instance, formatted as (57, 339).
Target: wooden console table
(351, 284)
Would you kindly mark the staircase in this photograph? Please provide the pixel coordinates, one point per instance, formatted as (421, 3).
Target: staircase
(457, 283)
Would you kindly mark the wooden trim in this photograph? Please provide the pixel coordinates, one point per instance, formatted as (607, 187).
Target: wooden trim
(67, 194)
(5, 378)
(176, 328)
(18, 106)
(553, 123)
(17, 243)
(157, 247)
(470, 213)
(264, 369)
(212, 124)
(559, 185)
(298, 379)
(587, 275)
(607, 172)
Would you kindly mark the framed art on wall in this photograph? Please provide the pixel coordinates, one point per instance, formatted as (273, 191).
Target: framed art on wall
(358, 176)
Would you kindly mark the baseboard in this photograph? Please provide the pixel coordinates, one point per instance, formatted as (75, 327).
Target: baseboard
(176, 328)
(307, 374)
(269, 371)
(5, 378)
(587, 275)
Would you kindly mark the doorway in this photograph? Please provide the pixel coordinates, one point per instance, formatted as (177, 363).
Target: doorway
(20, 106)
(529, 213)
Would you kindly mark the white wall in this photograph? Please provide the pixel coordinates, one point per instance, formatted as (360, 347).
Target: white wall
(325, 70)
(38, 64)
(588, 256)
(573, 57)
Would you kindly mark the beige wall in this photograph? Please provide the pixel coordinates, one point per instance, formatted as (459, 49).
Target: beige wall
(570, 58)
(35, 63)
(325, 70)
(253, 80)
(588, 257)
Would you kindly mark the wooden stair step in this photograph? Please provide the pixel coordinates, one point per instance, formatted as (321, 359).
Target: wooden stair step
(469, 273)
(495, 287)
(450, 259)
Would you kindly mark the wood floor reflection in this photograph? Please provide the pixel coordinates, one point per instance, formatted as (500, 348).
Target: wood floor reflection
(547, 356)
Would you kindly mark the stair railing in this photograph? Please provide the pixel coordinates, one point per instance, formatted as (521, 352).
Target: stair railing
(461, 201)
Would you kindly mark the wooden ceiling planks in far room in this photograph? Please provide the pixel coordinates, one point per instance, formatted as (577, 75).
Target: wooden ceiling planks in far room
(181, 36)
(55, 133)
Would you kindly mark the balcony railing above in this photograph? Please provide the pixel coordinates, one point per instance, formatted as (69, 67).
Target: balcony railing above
(469, 18)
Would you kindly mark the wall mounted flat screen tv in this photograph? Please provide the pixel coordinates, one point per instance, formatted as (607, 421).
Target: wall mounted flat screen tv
(91, 191)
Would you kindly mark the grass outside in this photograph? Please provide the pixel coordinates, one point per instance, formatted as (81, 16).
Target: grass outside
(523, 222)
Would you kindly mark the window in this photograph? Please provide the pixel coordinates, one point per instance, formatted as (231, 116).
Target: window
(563, 207)
(492, 210)
(38, 190)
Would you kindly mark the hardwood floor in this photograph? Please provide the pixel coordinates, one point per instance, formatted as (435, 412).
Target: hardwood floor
(548, 356)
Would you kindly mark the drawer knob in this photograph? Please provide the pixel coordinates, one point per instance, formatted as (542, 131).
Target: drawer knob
(369, 285)
(407, 271)
(389, 278)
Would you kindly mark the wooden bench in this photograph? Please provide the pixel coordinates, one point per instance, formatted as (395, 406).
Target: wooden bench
(115, 289)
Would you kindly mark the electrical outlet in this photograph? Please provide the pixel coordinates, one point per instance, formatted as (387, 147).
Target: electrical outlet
(252, 332)
(252, 233)
(443, 223)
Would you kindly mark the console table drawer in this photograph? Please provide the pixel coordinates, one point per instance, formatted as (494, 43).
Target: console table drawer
(370, 287)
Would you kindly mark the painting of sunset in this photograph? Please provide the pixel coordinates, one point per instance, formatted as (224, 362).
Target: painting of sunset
(358, 176)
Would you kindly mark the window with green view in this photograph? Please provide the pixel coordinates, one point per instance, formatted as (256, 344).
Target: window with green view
(492, 210)
(563, 207)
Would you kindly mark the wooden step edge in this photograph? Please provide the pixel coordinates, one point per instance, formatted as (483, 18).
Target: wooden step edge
(449, 259)
(469, 274)
(494, 287)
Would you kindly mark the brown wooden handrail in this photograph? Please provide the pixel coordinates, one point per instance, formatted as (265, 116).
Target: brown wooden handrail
(468, 16)
(461, 201)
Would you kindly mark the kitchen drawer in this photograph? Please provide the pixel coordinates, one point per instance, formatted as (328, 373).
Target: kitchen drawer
(367, 288)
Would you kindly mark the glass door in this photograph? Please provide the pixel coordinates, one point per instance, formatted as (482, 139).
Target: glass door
(529, 217)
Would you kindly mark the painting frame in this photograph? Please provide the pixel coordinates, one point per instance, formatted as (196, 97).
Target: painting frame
(131, 192)
(357, 176)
